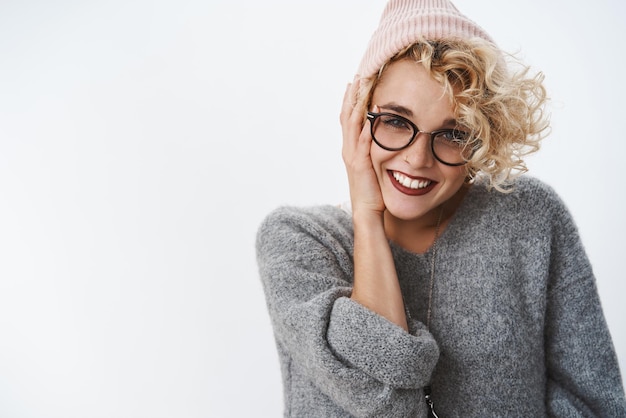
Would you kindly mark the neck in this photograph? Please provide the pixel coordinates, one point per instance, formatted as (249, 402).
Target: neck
(418, 235)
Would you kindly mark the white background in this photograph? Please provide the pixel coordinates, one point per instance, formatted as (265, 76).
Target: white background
(142, 142)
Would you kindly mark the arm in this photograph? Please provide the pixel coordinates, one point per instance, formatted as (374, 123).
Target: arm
(361, 361)
(375, 279)
(583, 373)
(376, 283)
(338, 312)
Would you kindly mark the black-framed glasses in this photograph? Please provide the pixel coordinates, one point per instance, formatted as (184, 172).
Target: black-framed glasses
(393, 133)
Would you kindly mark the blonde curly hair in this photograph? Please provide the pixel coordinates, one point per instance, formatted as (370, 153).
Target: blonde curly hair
(504, 110)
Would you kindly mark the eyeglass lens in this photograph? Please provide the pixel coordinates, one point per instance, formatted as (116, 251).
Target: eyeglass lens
(394, 132)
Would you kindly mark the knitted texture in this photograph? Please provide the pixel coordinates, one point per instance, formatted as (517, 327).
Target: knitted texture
(517, 328)
(403, 22)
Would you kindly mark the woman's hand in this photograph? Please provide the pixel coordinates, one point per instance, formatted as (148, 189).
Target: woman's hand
(365, 193)
(375, 280)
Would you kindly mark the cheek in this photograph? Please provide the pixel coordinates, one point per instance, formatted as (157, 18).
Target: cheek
(379, 156)
(455, 175)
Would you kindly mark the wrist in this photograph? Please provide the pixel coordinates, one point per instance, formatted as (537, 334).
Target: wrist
(367, 219)
(369, 227)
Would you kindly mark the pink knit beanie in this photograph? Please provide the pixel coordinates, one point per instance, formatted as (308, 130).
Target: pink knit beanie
(403, 22)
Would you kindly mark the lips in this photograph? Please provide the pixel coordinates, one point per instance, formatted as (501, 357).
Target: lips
(411, 185)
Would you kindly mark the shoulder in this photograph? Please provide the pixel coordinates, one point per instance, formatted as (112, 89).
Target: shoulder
(536, 199)
(529, 205)
(532, 188)
(325, 217)
(286, 224)
(526, 194)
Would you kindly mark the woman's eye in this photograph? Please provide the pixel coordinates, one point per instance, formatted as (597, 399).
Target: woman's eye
(396, 123)
(454, 136)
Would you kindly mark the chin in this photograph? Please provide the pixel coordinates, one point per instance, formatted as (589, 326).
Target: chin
(405, 212)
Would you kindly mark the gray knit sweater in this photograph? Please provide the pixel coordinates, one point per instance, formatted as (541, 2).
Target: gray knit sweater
(517, 329)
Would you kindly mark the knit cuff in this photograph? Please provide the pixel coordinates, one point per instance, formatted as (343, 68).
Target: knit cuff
(380, 348)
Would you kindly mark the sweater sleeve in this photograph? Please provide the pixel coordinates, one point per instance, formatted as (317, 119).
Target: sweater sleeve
(583, 378)
(363, 363)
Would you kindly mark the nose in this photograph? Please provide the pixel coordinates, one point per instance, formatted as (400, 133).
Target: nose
(419, 154)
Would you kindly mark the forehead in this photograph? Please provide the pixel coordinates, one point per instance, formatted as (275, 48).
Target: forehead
(408, 84)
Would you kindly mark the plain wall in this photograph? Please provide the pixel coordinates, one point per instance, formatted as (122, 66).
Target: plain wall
(142, 142)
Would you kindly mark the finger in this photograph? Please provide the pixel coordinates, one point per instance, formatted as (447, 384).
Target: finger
(355, 138)
(350, 97)
(346, 105)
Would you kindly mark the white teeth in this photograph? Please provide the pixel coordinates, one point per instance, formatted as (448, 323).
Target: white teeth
(410, 183)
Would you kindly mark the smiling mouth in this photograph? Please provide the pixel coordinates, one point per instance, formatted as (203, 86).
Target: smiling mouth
(410, 183)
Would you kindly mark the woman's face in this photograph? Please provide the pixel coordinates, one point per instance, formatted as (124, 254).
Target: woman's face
(412, 181)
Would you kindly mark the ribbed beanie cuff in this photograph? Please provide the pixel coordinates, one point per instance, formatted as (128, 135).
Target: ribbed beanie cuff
(403, 22)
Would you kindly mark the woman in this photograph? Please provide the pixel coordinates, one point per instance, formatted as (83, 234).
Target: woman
(451, 286)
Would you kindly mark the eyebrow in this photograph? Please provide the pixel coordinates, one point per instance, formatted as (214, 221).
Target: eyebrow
(397, 108)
